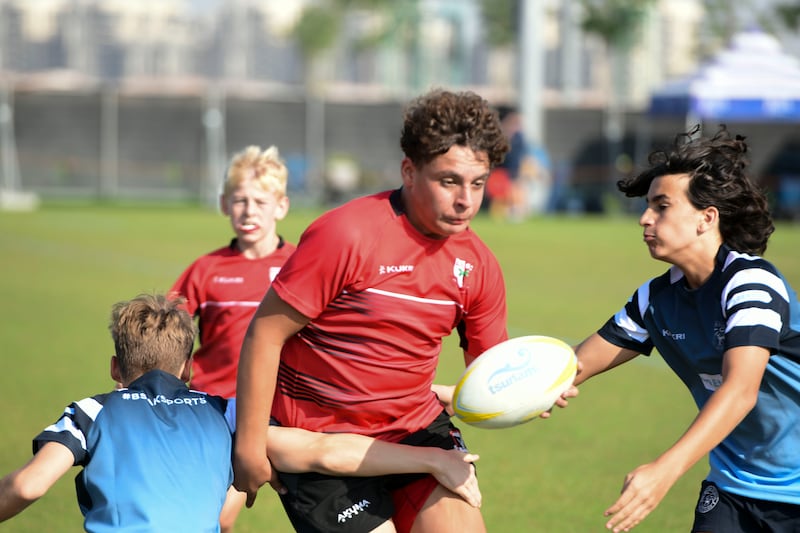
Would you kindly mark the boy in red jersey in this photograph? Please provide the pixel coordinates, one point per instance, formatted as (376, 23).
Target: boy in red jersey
(223, 288)
(348, 337)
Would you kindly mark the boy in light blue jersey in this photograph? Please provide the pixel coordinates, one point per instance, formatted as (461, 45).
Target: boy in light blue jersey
(156, 456)
(728, 324)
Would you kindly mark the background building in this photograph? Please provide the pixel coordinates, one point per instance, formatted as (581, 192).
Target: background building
(148, 98)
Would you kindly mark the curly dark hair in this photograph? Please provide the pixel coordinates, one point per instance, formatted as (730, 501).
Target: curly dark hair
(436, 121)
(716, 169)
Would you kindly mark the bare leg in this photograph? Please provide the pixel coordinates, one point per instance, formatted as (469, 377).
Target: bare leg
(446, 512)
(386, 527)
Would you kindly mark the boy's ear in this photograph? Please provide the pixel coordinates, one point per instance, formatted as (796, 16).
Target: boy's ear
(408, 170)
(186, 374)
(282, 207)
(115, 373)
(223, 205)
(710, 219)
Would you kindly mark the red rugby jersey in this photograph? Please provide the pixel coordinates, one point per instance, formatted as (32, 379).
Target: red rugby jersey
(223, 290)
(381, 297)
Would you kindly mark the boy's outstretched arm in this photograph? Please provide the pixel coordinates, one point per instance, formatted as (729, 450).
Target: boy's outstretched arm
(296, 450)
(27, 484)
(596, 355)
(643, 489)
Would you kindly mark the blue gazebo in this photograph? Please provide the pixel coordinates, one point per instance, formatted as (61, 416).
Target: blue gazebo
(752, 80)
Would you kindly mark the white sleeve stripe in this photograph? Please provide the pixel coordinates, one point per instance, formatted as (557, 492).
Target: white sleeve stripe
(749, 296)
(755, 317)
(66, 425)
(91, 407)
(628, 324)
(633, 329)
(644, 299)
(756, 276)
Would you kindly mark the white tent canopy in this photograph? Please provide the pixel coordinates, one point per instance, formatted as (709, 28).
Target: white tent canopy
(752, 80)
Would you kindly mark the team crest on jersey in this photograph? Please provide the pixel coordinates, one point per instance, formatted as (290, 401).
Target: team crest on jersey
(708, 500)
(461, 270)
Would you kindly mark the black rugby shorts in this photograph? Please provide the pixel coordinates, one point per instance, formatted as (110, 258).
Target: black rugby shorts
(317, 503)
(718, 511)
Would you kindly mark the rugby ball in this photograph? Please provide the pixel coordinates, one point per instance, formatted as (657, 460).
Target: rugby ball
(514, 381)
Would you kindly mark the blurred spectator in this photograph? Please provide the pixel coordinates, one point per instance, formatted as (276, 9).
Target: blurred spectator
(521, 184)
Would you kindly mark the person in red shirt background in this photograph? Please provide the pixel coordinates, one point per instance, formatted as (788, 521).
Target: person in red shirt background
(223, 288)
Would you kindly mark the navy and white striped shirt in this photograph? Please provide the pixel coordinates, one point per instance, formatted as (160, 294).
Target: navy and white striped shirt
(745, 302)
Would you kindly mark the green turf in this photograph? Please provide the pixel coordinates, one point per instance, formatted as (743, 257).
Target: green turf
(63, 266)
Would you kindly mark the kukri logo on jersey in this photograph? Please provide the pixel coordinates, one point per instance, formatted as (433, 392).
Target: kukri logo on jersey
(461, 270)
(394, 269)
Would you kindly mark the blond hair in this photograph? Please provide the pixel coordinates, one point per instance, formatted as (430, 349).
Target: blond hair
(265, 167)
(151, 332)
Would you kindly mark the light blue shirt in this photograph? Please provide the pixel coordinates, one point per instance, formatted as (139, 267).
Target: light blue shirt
(156, 456)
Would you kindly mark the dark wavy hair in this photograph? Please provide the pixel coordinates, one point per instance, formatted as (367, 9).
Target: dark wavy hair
(716, 169)
(437, 120)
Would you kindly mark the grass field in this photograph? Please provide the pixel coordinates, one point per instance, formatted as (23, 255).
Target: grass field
(63, 267)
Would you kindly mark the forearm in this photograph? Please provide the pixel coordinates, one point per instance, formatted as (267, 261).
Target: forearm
(255, 387)
(25, 485)
(274, 323)
(360, 456)
(742, 372)
(295, 450)
(596, 355)
(726, 408)
(12, 499)
(356, 455)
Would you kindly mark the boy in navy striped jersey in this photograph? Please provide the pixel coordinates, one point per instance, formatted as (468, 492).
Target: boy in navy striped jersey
(728, 324)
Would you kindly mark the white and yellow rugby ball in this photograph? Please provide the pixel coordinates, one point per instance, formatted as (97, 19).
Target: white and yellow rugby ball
(514, 381)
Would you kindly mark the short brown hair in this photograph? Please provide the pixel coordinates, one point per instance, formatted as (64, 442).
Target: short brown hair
(436, 121)
(151, 332)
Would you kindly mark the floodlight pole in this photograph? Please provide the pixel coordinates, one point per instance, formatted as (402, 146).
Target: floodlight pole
(531, 70)
(109, 141)
(8, 149)
(214, 125)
